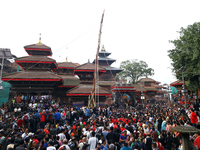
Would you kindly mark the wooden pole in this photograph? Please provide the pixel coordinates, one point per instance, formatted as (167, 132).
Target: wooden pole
(91, 100)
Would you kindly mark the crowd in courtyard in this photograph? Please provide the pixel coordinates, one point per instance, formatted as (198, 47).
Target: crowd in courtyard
(50, 125)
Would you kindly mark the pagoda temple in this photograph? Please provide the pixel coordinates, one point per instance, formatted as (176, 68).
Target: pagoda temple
(36, 77)
(66, 71)
(79, 95)
(108, 78)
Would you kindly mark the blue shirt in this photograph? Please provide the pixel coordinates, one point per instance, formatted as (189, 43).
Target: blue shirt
(105, 134)
(104, 148)
(87, 112)
(123, 138)
(57, 116)
(37, 115)
(45, 144)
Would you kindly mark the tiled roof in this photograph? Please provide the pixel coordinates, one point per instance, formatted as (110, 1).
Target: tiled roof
(88, 66)
(32, 75)
(111, 83)
(67, 65)
(38, 46)
(160, 91)
(146, 80)
(158, 86)
(113, 69)
(35, 58)
(151, 89)
(178, 82)
(86, 89)
(105, 59)
(138, 87)
(104, 54)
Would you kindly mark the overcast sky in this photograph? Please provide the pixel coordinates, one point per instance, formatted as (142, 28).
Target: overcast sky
(131, 29)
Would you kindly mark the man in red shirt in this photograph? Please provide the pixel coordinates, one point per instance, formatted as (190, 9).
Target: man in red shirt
(20, 123)
(42, 119)
(193, 118)
(197, 141)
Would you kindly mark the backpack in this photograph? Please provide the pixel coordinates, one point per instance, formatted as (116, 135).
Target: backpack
(63, 148)
(25, 117)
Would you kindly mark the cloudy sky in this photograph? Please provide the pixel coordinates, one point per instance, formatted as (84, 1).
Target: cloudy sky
(131, 29)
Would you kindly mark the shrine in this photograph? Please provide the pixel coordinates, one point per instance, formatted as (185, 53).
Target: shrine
(79, 95)
(36, 77)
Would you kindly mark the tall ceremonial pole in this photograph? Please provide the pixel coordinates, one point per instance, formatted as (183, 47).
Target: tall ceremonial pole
(92, 101)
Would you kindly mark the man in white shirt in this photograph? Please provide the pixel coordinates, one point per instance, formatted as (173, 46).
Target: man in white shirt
(15, 110)
(25, 134)
(93, 141)
(19, 110)
(62, 135)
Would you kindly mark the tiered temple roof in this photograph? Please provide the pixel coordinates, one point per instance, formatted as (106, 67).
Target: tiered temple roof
(86, 75)
(38, 49)
(106, 62)
(37, 70)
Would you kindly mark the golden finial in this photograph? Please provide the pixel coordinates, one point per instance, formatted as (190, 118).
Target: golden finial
(103, 49)
(40, 42)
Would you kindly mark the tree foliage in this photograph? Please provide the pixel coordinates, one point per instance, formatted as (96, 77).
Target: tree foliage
(186, 52)
(134, 69)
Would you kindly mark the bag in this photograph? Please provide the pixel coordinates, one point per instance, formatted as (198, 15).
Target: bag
(63, 148)
(26, 118)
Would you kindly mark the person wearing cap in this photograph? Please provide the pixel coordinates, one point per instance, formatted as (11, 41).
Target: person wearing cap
(50, 146)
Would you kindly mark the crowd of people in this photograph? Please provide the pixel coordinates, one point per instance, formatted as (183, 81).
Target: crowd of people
(50, 125)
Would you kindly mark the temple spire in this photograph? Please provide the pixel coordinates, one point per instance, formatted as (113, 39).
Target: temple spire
(103, 49)
(40, 41)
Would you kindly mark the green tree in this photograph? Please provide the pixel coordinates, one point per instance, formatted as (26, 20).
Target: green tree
(134, 69)
(186, 52)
